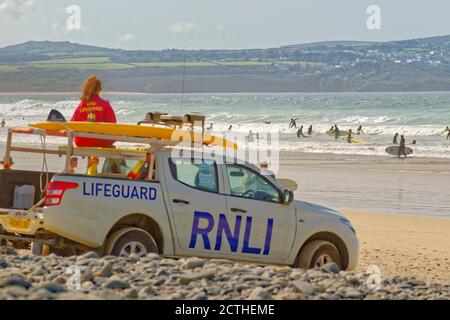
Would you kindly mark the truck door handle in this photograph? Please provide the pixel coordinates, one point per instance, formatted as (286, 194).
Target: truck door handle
(180, 201)
(238, 210)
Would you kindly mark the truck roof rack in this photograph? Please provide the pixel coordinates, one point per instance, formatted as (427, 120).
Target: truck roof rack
(163, 118)
(71, 150)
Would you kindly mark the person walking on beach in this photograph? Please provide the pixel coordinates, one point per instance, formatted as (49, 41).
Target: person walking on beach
(349, 136)
(359, 131)
(250, 136)
(3, 123)
(310, 130)
(447, 129)
(394, 141)
(300, 133)
(401, 149)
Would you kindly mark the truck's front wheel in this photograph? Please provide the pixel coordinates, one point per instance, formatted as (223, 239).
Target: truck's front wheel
(126, 241)
(317, 253)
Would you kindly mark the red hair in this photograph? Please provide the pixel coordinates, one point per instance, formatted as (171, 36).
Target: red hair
(91, 87)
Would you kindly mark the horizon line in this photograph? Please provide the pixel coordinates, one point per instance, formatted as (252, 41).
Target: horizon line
(211, 49)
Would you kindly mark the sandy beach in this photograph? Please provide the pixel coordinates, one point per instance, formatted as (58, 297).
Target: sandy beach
(400, 208)
(401, 244)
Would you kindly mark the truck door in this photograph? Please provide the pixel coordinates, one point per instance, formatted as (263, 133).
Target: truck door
(268, 225)
(195, 201)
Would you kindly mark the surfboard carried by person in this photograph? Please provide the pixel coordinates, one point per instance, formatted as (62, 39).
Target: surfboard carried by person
(447, 130)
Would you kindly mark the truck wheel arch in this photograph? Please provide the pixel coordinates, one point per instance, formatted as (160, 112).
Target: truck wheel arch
(335, 240)
(141, 221)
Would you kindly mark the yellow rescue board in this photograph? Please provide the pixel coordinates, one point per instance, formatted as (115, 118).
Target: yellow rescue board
(132, 130)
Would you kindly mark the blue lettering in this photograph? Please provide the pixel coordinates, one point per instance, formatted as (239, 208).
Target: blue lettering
(144, 192)
(98, 188)
(268, 236)
(134, 193)
(123, 191)
(196, 230)
(246, 248)
(85, 193)
(116, 191)
(223, 226)
(151, 193)
(107, 191)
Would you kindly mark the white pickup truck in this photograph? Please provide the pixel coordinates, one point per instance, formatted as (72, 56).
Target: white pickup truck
(188, 208)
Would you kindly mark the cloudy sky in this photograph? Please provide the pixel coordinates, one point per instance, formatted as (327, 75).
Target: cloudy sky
(196, 24)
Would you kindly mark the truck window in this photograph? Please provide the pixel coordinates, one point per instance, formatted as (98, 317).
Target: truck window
(248, 184)
(199, 175)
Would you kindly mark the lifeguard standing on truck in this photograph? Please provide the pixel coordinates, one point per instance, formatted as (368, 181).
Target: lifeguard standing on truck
(92, 108)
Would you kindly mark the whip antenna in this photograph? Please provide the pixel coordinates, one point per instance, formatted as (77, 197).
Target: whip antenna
(182, 82)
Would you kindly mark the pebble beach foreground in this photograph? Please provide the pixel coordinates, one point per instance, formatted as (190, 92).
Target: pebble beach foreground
(24, 276)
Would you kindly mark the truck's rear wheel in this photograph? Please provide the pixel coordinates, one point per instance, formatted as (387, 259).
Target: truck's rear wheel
(126, 241)
(317, 253)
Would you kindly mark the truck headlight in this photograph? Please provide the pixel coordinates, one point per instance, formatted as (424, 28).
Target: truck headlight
(348, 224)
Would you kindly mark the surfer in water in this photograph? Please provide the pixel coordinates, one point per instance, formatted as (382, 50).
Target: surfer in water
(229, 128)
(300, 133)
(310, 130)
(3, 123)
(349, 136)
(359, 130)
(401, 149)
(394, 141)
(336, 131)
(293, 123)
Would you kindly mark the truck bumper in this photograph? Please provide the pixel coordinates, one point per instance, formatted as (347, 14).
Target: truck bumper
(20, 222)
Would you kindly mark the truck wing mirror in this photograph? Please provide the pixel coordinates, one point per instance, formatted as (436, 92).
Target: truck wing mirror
(288, 197)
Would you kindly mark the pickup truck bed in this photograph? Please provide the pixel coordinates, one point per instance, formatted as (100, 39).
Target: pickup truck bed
(9, 179)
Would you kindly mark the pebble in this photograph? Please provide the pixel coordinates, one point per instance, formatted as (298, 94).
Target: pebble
(304, 287)
(193, 263)
(24, 276)
(7, 282)
(260, 294)
(352, 293)
(116, 284)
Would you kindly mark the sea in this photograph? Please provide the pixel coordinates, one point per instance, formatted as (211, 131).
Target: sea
(419, 116)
